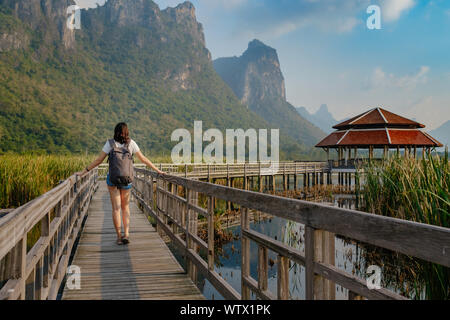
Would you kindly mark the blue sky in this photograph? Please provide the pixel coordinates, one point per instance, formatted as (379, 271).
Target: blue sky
(328, 55)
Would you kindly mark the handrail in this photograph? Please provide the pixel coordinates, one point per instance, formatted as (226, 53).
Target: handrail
(174, 214)
(202, 170)
(38, 272)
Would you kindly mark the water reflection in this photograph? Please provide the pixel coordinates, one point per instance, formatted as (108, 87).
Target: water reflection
(350, 256)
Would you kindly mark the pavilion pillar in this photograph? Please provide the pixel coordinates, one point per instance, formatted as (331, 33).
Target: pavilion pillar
(349, 155)
(345, 156)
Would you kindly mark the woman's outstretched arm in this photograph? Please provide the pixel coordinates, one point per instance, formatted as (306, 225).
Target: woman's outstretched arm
(147, 162)
(93, 165)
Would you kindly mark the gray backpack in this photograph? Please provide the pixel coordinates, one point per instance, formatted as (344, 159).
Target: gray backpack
(121, 169)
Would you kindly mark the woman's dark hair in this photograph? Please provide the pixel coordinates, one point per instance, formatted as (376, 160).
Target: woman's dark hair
(121, 133)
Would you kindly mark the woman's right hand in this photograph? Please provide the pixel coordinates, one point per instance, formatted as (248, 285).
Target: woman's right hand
(80, 173)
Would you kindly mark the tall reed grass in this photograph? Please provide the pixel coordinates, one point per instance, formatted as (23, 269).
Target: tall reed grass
(25, 177)
(416, 190)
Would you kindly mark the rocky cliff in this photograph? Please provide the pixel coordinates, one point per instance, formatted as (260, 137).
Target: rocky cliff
(257, 80)
(64, 90)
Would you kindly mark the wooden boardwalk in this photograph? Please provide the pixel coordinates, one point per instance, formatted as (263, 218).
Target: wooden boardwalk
(143, 269)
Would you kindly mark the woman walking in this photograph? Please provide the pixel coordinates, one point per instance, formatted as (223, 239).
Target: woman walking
(120, 175)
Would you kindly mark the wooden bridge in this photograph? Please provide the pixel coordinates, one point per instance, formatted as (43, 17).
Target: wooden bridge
(78, 210)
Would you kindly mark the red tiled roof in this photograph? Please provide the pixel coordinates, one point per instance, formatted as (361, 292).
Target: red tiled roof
(412, 137)
(331, 139)
(378, 117)
(379, 137)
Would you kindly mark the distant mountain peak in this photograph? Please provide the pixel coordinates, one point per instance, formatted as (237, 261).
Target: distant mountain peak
(255, 43)
(256, 79)
(322, 118)
(442, 133)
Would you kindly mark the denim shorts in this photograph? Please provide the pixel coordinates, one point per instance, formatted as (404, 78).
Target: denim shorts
(128, 187)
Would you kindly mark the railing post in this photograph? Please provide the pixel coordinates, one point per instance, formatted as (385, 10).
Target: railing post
(319, 247)
(228, 185)
(324, 251)
(192, 226)
(260, 179)
(20, 260)
(309, 264)
(150, 189)
(283, 278)
(262, 268)
(245, 177)
(245, 252)
(211, 233)
(45, 229)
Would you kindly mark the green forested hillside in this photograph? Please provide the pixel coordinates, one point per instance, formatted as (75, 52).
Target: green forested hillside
(64, 92)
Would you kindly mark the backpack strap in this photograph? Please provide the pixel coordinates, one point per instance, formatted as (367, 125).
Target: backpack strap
(127, 145)
(112, 144)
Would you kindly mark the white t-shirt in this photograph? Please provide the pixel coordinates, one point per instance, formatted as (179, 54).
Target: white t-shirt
(133, 147)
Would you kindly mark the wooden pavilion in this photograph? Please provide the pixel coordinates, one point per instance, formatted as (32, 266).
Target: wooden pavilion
(377, 129)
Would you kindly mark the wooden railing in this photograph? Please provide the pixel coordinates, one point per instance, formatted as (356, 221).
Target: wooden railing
(209, 171)
(56, 218)
(176, 212)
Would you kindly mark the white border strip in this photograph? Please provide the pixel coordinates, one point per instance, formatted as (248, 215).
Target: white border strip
(382, 115)
(388, 136)
(343, 137)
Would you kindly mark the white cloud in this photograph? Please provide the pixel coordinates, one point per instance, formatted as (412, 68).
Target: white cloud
(381, 79)
(393, 9)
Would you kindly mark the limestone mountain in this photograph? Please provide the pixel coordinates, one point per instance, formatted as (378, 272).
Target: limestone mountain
(257, 80)
(63, 90)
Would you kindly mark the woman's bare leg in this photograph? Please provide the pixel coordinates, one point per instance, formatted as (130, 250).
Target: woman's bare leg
(115, 202)
(125, 205)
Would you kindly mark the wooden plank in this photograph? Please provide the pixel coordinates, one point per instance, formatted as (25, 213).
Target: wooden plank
(253, 285)
(275, 246)
(354, 283)
(143, 269)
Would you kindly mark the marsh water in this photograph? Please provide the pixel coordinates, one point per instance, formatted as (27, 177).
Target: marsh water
(349, 256)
